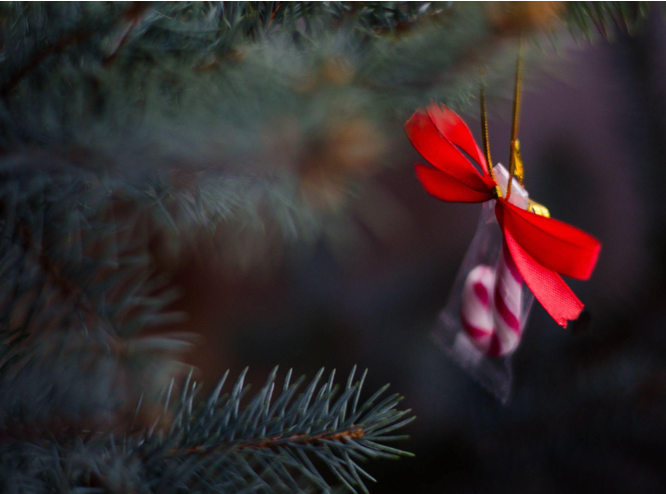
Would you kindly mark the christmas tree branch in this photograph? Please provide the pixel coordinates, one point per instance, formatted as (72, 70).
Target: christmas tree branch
(277, 438)
(292, 442)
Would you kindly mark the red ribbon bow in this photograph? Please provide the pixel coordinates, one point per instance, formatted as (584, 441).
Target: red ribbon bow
(541, 247)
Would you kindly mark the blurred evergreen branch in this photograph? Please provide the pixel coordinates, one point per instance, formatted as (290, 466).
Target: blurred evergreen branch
(232, 97)
(605, 17)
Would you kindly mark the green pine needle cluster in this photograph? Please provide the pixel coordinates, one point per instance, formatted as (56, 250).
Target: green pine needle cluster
(292, 439)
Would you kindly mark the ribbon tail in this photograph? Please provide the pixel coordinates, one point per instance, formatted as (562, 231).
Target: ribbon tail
(547, 286)
(554, 244)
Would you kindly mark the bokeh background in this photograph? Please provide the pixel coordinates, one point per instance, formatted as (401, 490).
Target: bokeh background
(588, 406)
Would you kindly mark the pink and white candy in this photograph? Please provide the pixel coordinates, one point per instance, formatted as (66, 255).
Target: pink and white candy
(492, 297)
(491, 307)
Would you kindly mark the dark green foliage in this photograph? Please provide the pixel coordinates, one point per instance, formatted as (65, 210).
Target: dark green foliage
(74, 307)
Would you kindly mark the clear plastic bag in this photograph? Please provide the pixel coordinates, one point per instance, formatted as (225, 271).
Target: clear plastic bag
(485, 316)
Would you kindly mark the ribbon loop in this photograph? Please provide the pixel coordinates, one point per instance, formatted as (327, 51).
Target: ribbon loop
(455, 130)
(448, 188)
(440, 151)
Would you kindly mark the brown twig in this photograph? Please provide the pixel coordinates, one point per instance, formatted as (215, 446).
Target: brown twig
(273, 442)
(133, 15)
(273, 14)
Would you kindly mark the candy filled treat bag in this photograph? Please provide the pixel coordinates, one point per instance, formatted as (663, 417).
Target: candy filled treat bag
(486, 313)
(518, 252)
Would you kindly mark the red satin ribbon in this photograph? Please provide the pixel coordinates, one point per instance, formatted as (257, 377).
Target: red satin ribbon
(542, 248)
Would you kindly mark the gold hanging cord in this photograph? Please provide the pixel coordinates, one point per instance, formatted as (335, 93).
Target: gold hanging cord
(486, 141)
(516, 168)
(515, 161)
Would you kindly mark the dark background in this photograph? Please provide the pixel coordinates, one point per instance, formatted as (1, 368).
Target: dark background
(587, 411)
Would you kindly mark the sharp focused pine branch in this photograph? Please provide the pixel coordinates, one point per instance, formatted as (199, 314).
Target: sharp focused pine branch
(274, 442)
(291, 439)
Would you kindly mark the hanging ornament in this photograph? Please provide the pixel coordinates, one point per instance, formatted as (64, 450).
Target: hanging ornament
(518, 252)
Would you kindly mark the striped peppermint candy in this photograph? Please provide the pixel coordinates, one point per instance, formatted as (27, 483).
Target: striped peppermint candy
(476, 309)
(507, 306)
(491, 307)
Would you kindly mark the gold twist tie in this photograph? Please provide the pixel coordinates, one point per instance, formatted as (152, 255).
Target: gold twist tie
(538, 209)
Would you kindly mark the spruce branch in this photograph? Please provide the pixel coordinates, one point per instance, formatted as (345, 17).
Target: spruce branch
(244, 99)
(294, 441)
(278, 441)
